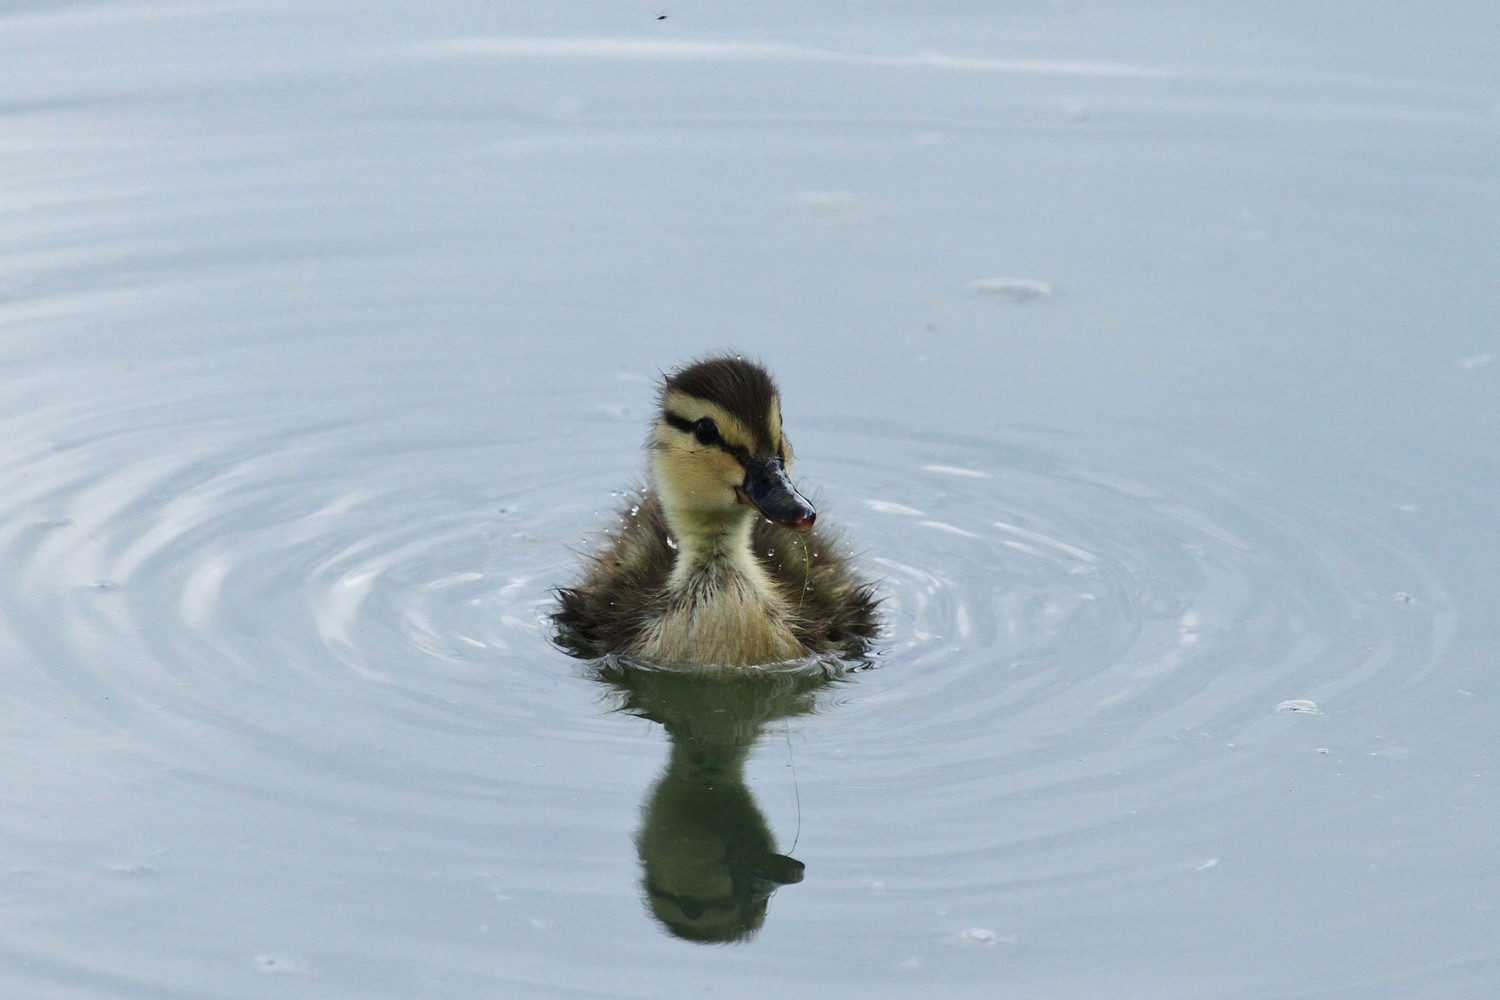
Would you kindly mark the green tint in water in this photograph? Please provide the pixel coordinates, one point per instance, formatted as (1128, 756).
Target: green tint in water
(708, 858)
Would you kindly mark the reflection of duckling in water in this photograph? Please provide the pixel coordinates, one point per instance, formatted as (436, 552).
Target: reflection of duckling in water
(693, 575)
(709, 861)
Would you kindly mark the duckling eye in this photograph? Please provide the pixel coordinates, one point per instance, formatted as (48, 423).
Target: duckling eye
(706, 432)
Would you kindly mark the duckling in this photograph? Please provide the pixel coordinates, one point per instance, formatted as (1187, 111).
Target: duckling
(718, 563)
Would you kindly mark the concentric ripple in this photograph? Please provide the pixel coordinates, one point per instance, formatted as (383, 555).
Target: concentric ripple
(332, 570)
(349, 619)
(1069, 646)
(273, 581)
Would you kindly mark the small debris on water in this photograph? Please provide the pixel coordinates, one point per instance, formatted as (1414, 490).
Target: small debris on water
(272, 964)
(1299, 705)
(1015, 289)
(1405, 598)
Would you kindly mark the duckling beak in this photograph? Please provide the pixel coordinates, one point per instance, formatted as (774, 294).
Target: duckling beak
(768, 490)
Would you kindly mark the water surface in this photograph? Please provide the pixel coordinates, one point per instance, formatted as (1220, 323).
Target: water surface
(1146, 357)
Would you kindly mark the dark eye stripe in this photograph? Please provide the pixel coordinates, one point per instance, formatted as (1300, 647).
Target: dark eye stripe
(687, 426)
(681, 423)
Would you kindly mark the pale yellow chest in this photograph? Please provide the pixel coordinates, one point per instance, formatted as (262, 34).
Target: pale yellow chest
(727, 622)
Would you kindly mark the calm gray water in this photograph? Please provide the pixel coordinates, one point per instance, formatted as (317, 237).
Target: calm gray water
(1147, 355)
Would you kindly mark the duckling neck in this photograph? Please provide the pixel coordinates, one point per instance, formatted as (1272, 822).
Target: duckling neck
(711, 547)
(722, 605)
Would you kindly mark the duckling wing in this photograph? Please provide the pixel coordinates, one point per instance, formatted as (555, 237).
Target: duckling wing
(833, 608)
(622, 586)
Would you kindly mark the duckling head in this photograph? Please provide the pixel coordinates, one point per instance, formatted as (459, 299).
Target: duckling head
(718, 451)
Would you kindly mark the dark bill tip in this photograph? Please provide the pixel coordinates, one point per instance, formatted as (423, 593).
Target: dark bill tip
(768, 490)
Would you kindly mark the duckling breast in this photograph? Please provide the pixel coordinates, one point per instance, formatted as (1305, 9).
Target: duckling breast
(722, 620)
